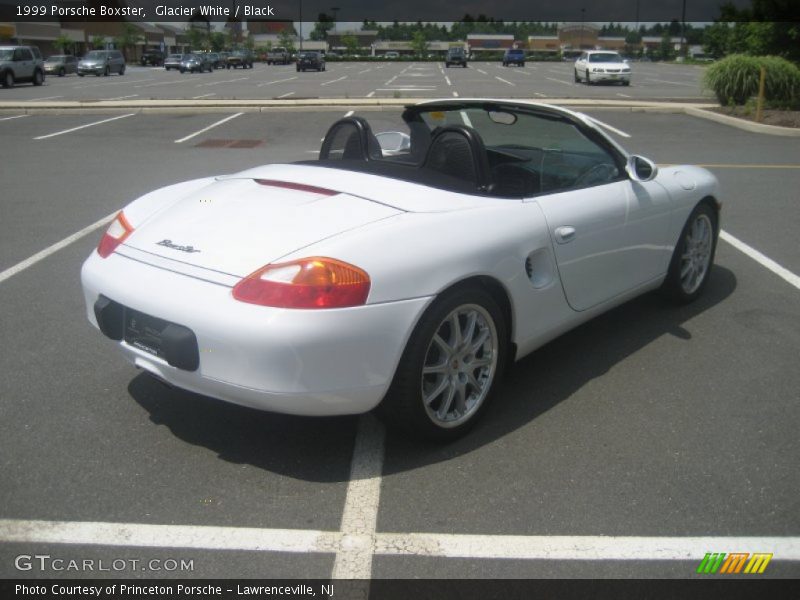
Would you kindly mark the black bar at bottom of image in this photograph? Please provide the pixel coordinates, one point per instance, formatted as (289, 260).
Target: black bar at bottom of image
(403, 589)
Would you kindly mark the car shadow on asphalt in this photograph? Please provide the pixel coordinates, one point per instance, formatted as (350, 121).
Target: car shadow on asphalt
(319, 449)
(556, 371)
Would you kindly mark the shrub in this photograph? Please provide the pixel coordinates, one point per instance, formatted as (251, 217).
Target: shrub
(734, 80)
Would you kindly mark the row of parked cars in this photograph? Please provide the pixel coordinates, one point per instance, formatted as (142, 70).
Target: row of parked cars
(25, 64)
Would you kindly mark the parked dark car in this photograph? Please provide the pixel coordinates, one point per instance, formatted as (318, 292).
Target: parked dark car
(217, 60)
(61, 64)
(154, 58)
(21, 63)
(173, 61)
(456, 56)
(240, 58)
(310, 60)
(514, 56)
(196, 62)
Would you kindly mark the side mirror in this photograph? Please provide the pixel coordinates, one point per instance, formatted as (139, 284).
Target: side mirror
(394, 142)
(641, 169)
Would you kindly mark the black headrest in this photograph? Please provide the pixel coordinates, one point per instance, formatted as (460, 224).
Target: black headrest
(458, 151)
(350, 138)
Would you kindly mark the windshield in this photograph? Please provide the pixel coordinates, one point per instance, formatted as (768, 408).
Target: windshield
(308, 55)
(6, 53)
(175, 56)
(609, 57)
(95, 55)
(515, 52)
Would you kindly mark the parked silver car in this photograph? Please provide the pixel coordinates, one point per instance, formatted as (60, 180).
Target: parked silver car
(102, 62)
(61, 64)
(173, 61)
(20, 63)
(196, 62)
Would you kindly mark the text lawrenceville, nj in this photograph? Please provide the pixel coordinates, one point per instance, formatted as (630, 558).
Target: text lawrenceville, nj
(209, 10)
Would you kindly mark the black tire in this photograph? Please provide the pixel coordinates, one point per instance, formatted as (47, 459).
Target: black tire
(38, 77)
(577, 79)
(626, 83)
(588, 79)
(8, 79)
(227, 66)
(182, 70)
(62, 72)
(674, 286)
(107, 72)
(403, 405)
(80, 74)
(122, 70)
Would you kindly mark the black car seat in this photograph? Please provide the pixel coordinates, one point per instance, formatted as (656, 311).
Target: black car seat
(458, 151)
(350, 138)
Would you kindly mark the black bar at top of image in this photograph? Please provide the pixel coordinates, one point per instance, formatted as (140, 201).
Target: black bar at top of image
(729, 588)
(356, 11)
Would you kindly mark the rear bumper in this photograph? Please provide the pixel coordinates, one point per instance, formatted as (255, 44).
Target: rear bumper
(306, 362)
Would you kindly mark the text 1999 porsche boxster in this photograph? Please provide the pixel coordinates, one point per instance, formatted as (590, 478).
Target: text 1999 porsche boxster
(403, 269)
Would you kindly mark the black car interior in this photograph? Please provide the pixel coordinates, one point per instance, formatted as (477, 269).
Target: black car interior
(455, 158)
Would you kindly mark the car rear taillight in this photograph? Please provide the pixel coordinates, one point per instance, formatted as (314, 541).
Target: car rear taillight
(315, 282)
(114, 235)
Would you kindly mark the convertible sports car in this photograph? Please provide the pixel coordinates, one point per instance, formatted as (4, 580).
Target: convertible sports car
(403, 269)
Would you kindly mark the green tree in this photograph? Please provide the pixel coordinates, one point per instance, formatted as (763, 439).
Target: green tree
(350, 44)
(419, 43)
(63, 43)
(321, 28)
(286, 39)
(217, 41)
(197, 38)
(99, 42)
(130, 36)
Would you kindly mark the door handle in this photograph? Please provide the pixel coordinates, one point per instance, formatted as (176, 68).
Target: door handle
(565, 234)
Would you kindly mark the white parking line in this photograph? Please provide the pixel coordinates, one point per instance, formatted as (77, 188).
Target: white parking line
(482, 71)
(609, 127)
(160, 83)
(203, 96)
(121, 97)
(91, 85)
(761, 259)
(49, 135)
(14, 117)
(218, 123)
(360, 515)
(392, 79)
(455, 94)
(520, 547)
(623, 95)
(364, 71)
(559, 80)
(276, 81)
(219, 82)
(45, 98)
(42, 254)
(540, 94)
(285, 95)
(447, 79)
(349, 113)
(672, 82)
(333, 80)
(505, 81)
(371, 94)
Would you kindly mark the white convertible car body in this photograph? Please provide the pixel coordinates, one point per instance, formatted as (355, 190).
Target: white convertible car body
(177, 280)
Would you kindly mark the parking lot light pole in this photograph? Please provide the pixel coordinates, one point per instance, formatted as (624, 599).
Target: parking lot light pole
(583, 16)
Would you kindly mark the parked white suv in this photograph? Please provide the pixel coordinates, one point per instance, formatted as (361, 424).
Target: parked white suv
(594, 66)
(20, 63)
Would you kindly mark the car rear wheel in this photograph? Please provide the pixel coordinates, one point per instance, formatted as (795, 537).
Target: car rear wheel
(122, 70)
(38, 77)
(693, 256)
(61, 72)
(8, 79)
(450, 366)
(107, 72)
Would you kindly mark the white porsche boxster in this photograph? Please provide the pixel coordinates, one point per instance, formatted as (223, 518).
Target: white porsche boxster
(402, 270)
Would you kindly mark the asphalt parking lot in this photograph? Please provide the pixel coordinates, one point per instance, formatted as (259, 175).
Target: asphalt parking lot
(369, 80)
(629, 447)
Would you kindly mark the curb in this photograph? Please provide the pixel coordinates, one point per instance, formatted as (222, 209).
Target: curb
(693, 109)
(742, 123)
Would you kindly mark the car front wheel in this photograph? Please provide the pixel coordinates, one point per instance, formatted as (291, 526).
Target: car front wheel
(450, 366)
(693, 256)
